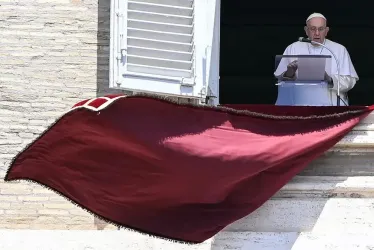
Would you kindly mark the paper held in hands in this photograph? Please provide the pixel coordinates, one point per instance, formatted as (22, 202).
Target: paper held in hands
(311, 68)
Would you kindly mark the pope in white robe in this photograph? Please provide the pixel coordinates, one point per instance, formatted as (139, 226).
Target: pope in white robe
(324, 94)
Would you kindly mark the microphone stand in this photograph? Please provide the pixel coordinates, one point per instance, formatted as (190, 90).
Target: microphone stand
(338, 66)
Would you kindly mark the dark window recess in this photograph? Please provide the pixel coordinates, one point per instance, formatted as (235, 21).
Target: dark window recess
(251, 36)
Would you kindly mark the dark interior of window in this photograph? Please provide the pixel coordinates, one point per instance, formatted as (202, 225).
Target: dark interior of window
(253, 33)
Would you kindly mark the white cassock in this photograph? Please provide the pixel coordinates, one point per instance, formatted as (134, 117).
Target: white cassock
(317, 94)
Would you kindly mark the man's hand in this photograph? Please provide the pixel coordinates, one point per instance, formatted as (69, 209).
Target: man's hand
(328, 79)
(291, 69)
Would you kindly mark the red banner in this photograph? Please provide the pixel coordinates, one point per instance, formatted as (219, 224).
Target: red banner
(182, 172)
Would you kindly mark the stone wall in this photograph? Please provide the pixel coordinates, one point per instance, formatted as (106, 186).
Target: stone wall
(53, 53)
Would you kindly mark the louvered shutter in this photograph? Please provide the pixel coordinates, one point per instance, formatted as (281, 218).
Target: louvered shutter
(160, 37)
(159, 46)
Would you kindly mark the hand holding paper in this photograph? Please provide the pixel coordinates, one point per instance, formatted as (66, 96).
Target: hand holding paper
(291, 69)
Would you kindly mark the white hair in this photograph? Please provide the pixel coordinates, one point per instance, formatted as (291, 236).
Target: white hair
(315, 15)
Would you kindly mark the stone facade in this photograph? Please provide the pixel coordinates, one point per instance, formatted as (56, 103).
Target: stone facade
(53, 54)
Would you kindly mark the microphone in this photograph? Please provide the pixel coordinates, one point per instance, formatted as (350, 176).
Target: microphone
(307, 40)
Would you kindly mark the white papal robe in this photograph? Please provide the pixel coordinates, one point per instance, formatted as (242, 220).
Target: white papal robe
(319, 94)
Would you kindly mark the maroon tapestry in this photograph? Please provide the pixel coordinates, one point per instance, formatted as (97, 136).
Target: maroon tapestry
(181, 172)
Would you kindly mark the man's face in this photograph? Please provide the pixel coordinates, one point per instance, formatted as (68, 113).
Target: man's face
(316, 29)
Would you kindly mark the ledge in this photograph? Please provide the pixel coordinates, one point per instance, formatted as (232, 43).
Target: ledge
(88, 240)
(361, 137)
(119, 240)
(292, 240)
(339, 215)
(328, 187)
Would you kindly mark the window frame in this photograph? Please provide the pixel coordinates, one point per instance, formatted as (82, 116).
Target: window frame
(206, 71)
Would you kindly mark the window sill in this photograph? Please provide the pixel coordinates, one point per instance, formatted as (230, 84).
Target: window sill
(360, 138)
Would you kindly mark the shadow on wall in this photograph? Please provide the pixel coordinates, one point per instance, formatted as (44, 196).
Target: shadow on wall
(103, 43)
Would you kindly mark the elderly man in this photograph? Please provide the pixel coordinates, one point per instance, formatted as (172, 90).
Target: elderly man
(322, 94)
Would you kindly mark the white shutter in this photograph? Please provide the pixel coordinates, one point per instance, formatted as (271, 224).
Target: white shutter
(213, 23)
(160, 46)
(160, 37)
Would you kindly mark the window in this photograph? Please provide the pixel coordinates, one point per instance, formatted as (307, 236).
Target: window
(167, 47)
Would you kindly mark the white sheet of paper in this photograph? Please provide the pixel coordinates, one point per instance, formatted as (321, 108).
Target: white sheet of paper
(311, 69)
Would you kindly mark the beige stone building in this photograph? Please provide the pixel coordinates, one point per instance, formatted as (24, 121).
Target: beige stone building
(55, 53)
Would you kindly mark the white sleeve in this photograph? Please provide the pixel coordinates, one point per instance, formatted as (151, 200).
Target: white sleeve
(282, 66)
(346, 83)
